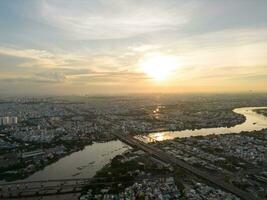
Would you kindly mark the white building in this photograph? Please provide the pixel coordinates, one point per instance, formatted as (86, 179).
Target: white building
(8, 121)
(13, 120)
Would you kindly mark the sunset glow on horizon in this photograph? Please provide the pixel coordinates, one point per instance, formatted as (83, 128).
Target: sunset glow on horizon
(79, 47)
(159, 67)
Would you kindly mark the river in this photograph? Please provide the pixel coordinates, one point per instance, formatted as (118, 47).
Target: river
(254, 122)
(85, 163)
(81, 164)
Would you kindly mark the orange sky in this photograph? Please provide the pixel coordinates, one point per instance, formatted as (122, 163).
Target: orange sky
(121, 46)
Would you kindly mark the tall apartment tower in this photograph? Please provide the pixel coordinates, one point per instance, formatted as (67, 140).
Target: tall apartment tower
(13, 120)
(8, 121)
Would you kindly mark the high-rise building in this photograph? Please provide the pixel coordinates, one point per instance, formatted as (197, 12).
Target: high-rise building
(8, 121)
(13, 120)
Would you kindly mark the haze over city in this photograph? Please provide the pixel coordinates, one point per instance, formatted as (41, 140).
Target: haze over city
(120, 46)
(133, 99)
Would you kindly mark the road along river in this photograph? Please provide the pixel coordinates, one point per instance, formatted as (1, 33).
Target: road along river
(254, 122)
(85, 163)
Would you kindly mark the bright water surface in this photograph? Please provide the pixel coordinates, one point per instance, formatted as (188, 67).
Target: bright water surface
(81, 164)
(85, 163)
(254, 122)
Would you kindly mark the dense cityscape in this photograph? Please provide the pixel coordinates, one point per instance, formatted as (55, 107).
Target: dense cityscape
(133, 100)
(37, 132)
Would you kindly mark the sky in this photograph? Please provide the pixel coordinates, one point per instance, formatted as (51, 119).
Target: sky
(78, 47)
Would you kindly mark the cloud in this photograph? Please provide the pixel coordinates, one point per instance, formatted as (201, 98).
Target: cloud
(40, 77)
(25, 53)
(34, 57)
(114, 77)
(19, 80)
(114, 19)
(143, 48)
(97, 42)
(219, 74)
(50, 76)
(72, 75)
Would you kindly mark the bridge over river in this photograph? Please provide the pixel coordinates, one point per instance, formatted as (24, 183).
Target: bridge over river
(59, 186)
(51, 187)
(165, 157)
(48, 187)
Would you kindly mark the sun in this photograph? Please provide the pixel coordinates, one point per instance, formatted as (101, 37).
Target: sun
(159, 67)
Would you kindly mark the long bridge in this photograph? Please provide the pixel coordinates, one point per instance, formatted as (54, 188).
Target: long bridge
(16, 190)
(52, 187)
(21, 189)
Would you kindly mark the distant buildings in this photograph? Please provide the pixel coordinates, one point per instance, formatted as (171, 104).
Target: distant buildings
(8, 121)
(33, 154)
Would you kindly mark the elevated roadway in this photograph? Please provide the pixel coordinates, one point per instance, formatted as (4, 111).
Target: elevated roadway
(165, 157)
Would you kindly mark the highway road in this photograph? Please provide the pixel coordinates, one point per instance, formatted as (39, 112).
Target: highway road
(79, 183)
(165, 157)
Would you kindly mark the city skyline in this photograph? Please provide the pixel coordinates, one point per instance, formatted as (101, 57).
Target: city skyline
(115, 46)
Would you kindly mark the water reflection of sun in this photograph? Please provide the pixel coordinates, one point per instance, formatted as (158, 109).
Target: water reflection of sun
(159, 136)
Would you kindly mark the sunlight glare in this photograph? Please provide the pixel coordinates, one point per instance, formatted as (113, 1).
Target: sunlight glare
(159, 67)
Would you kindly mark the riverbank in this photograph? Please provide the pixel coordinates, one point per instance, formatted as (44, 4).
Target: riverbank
(44, 155)
(253, 122)
(262, 112)
(237, 159)
(81, 164)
